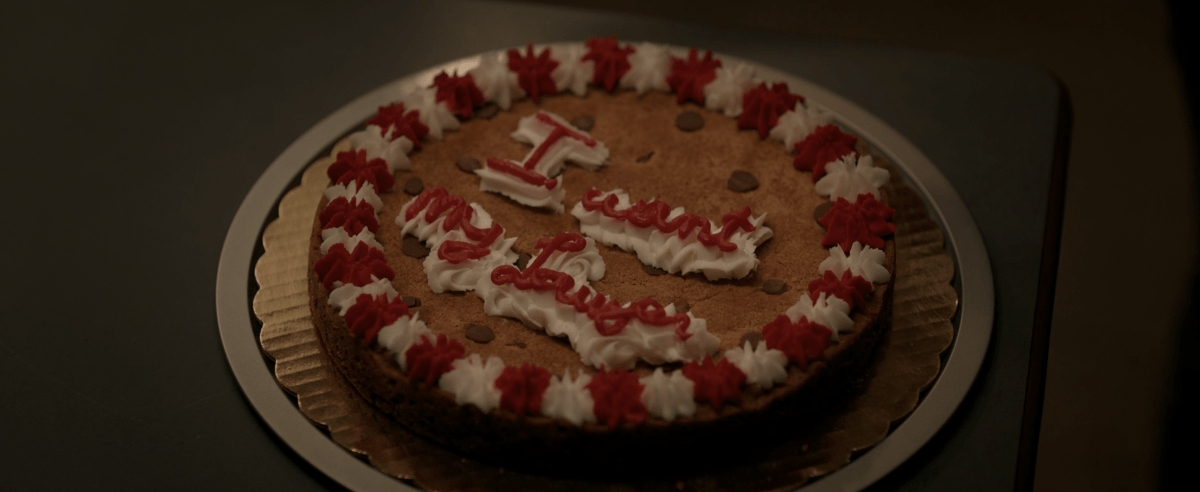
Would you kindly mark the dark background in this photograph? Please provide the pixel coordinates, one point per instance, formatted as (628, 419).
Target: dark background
(116, 114)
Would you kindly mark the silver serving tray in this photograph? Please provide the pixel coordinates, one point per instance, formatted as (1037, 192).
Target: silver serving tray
(973, 280)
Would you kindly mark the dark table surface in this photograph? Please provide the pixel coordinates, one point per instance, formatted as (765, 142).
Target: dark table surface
(135, 130)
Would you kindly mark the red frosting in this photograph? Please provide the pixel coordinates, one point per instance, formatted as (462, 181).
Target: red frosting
(557, 133)
(459, 92)
(655, 213)
(339, 265)
(523, 173)
(436, 201)
(761, 107)
(715, 383)
(688, 77)
(801, 341)
(533, 72)
(850, 288)
(612, 61)
(608, 315)
(618, 397)
(402, 124)
(457, 252)
(354, 166)
(521, 388)
(865, 221)
(824, 145)
(352, 218)
(369, 314)
(428, 361)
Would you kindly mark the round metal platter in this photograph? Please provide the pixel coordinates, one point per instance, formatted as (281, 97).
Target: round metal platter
(973, 280)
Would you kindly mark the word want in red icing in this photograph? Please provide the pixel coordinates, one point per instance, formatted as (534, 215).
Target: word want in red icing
(436, 201)
(612, 61)
(339, 265)
(533, 72)
(800, 341)
(865, 221)
(369, 314)
(527, 172)
(762, 107)
(609, 317)
(715, 382)
(459, 92)
(688, 77)
(618, 397)
(655, 213)
(402, 124)
(522, 388)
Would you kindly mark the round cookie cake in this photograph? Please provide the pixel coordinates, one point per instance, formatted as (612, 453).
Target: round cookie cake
(656, 276)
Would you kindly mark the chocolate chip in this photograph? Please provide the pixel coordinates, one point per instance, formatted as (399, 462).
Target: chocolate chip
(523, 260)
(775, 287)
(689, 121)
(468, 164)
(742, 181)
(414, 186)
(682, 307)
(411, 301)
(517, 344)
(646, 158)
(653, 271)
(821, 210)
(480, 334)
(412, 246)
(585, 123)
(752, 337)
(488, 111)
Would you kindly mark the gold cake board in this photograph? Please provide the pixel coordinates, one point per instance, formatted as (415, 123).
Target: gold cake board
(907, 363)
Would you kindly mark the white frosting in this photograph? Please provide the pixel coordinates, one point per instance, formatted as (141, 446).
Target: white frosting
(401, 335)
(347, 294)
(443, 275)
(864, 261)
(653, 344)
(668, 251)
(472, 381)
(569, 399)
(584, 266)
(725, 92)
(353, 192)
(649, 66)
(520, 191)
(337, 235)
(845, 179)
(572, 73)
(794, 125)
(497, 83)
(433, 114)
(831, 312)
(762, 366)
(668, 397)
(380, 146)
(532, 131)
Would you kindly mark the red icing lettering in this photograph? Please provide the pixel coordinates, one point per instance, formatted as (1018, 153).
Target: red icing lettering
(524, 174)
(402, 124)
(428, 361)
(715, 383)
(655, 213)
(533, 72)
(612, 61)
(351, 217)
(340, 265)
(850, 288)
(824, 145)
(688, 77)
(457, 252)
(355, 167)
(761, 107)
(369, 314)
(801, 341)
(521, 388)
(459, 93)
(436, 201)
(865, 221)
(618, 397)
